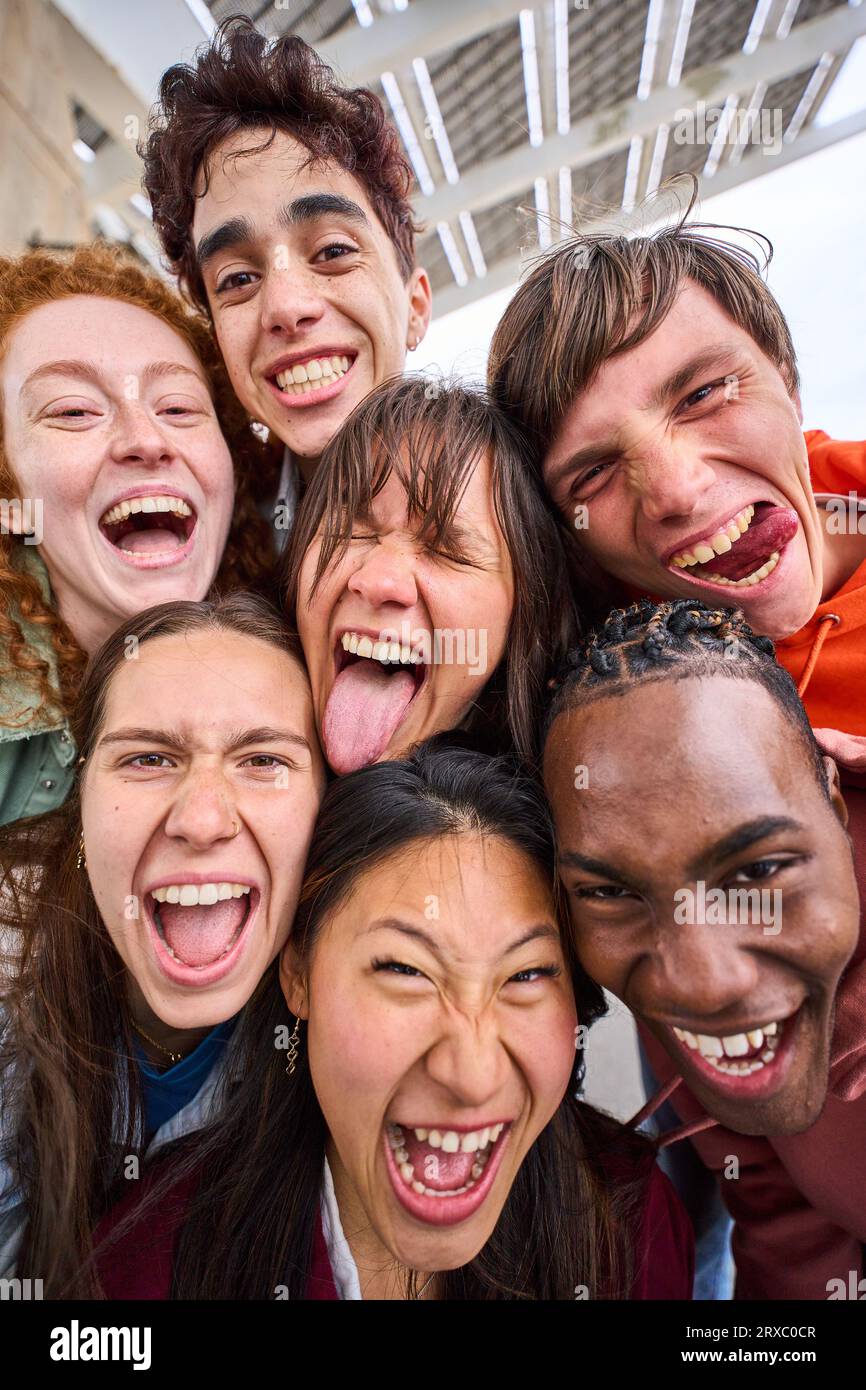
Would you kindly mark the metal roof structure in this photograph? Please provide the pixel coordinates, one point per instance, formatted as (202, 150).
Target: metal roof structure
(521, 121)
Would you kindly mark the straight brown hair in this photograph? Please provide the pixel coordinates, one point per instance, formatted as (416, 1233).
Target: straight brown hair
(433, 435)
(597, 295)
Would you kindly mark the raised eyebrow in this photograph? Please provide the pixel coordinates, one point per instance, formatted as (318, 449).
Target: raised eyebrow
(236, 231)
(314, 205)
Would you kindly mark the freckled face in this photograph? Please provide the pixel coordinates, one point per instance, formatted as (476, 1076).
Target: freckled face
(439, 1005)
(103, 401)
(198, 806)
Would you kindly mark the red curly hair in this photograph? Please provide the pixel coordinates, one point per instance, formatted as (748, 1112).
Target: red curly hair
(243, 81)
(40, 277)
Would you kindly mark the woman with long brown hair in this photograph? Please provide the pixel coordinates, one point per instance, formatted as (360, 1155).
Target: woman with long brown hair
(138, 919)
(129, 476)
(421, 1137)
(426, 578)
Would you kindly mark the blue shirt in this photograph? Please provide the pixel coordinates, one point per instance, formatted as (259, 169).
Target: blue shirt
(167, 1092)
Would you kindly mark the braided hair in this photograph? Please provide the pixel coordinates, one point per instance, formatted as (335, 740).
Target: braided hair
(672, 641)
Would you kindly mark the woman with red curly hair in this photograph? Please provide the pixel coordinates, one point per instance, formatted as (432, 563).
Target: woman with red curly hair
(129, 476)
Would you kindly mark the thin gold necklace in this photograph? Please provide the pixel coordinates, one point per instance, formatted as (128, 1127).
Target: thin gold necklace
(173, 1057)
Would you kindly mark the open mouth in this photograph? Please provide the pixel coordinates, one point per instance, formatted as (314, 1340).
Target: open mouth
(747, 1064)
(376, 682)
(199, 928)
(741, 553)
(441, 1176)
(151, 528)
(314, 379)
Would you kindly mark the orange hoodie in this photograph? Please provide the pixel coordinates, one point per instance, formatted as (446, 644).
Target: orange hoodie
(799, 1201)
(834, 691)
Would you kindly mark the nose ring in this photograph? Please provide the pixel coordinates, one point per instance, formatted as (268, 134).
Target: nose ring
(237, 827)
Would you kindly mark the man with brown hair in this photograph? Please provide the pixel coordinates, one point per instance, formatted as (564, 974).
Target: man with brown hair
(656, 379)
(282, 202)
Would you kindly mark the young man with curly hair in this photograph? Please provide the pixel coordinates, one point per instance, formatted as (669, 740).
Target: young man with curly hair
(282, 202)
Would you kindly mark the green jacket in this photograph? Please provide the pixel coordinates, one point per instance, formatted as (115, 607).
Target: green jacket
(37, 756)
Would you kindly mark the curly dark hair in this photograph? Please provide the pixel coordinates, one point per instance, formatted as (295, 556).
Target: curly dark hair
(241, 81)
(671, 641)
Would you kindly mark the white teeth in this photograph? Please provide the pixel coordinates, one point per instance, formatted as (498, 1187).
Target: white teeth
(407, 1172)
(435, 1139)
(199, 894)
(421, 1134)
(450, 1141)
(723, 1052)
(303, 377)
(388, 653)
(132, 505)
(718, 544)
(469, 1143)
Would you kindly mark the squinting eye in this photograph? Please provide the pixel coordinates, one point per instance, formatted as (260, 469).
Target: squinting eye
(761, 868)
(702, 394)
(396, 967)
(540, 972)
(602, 892)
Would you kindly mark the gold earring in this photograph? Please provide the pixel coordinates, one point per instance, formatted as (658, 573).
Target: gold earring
(292, 1054)
(81, 862)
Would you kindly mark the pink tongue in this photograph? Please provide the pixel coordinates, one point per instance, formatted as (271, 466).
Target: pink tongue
(772, 528)
(149, 541)
(435, 1168)
(363, 710)
(199, 935)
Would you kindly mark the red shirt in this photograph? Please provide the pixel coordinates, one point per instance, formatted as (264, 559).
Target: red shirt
(139, 1265)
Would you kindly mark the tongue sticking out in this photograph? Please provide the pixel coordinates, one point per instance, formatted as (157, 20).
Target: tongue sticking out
(771, 529)
(363, 710)
(150, 541)
(200, 935)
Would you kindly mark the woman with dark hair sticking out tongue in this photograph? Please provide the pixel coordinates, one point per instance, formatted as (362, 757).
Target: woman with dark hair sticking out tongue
(426, 578)
(173, 873)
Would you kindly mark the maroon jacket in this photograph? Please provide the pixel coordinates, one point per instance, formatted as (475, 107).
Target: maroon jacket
(139, 1264)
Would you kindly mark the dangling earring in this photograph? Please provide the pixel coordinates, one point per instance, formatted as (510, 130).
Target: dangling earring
(81, 862)
(292, 1054)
